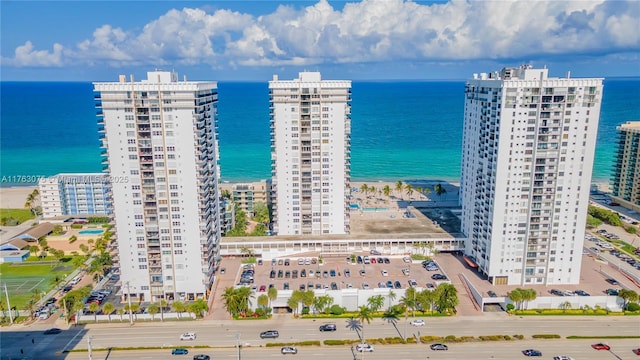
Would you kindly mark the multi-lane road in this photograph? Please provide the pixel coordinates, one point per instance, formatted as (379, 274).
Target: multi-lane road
(222, 337)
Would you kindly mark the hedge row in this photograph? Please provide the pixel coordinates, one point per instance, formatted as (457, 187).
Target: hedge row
(299, 343)
(546, 336)
(605, 337)
(567, 312)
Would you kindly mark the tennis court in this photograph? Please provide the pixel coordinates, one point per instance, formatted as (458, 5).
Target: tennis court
(24, 279)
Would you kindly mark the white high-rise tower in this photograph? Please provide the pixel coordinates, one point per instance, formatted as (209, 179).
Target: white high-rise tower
(310, 154)
(528, 149)
(160, 142)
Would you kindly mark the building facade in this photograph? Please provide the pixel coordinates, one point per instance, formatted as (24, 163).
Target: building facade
(75, 194)
(310, 122)
(161, 150)
(528, 149)
(625, 181)
(246, 195)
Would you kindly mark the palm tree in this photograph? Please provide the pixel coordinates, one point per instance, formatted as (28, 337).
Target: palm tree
(409, 189)
(419, 189)
(391, 316)
(565, 306)
(399, 187)
(179, 307)
(163, 305)
(94, 307)
(516, 295)
(120, 311)
(408, 301)
(231, 300)
(72, 239)
(364, 188)
(355, 325)
(272, 294)
(263, 301)
(529, 295)
(392, 296)
(386, 190)
(439, 190)
(322, 302)
(364, 314)
(153, 310)
(107, 308)
(375, 302)
(427, 299)
(293, 303)
(308, 298)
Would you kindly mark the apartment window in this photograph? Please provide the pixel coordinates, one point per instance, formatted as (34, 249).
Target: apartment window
(177, 252)
(142, 267)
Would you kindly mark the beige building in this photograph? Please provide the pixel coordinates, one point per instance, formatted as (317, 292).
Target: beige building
(246, 195)
(625, 181)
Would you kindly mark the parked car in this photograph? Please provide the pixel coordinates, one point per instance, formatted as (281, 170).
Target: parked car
(417, 322)
(188, 336)
(362, 272)
(439, 347)
(269, 334)
(347, 273)
(562, 357)
(179, 351)
(438, 277)
(288, 350)
(412, 282)
(328, 327)
(581, 293)
(612, 281)
(397, 285)
(406, 259)
(201, 357)
(531, 352)
(364, 348)
(365, 286)
(386, 260)
(285, 286)
(430, 286)
(406, 271)
(556, 292)
(334, 286)
(375, 252)
(601, 346)
(384, 273)
(332, 273)
(492, 293)
(611, 292)
(303, 273)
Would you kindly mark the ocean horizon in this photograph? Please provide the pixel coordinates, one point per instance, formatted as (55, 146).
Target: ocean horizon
(401, 130)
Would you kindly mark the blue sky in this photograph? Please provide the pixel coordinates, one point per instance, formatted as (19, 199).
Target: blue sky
(360, 40)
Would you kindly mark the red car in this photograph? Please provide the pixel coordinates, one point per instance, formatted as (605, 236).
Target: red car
(262, 288)
(601, 346)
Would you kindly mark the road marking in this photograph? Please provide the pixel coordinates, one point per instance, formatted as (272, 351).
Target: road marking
(70, 341)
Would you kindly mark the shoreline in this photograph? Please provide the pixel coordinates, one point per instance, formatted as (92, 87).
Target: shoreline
(14, 197)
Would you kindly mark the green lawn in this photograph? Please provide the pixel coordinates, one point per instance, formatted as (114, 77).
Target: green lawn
(21, 215)
(25, 279)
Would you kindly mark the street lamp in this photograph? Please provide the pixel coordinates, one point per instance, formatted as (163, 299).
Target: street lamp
(89, 342)
(129, 301)
(238, 344)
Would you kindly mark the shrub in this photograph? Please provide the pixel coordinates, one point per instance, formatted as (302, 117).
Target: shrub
(305, 311)
(633, 307)
(546, 336)
(430, 338)
(338, 342)
(510, 307)
(450, 338)
(336, 310)
(519, 336)
(76, 226)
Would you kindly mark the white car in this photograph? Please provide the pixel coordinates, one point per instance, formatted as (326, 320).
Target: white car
(417, 322)
(406, 271)
(385, 273)
(188, 336)
(406, 259)
(311, 273)
(364, 348)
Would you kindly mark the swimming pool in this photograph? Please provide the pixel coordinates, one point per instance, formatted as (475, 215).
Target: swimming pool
(353, 206)
(374, 209)
(91, 232)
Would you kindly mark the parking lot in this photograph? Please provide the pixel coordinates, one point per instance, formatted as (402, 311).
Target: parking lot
(371, 271)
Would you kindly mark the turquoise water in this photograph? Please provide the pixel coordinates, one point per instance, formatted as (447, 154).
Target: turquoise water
(90, 232)
(374, 209)
(400, 130)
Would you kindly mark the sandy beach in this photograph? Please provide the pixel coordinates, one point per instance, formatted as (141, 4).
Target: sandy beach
(15, 197)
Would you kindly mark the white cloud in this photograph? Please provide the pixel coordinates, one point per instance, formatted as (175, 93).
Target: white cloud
(367, 31)
(25, 55)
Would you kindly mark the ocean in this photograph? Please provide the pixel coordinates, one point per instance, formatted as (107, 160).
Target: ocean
(401, 130)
